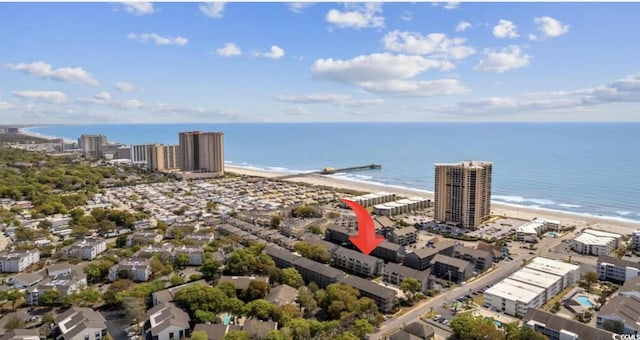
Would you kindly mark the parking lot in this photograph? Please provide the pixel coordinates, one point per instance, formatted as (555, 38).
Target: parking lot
(497, 229)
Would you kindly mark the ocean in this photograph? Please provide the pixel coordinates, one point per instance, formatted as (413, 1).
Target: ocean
(583, 168)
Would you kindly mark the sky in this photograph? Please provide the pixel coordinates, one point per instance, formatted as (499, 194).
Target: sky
(83, 63)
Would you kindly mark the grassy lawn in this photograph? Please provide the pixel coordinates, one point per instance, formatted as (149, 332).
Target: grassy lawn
(556, 298)
(479, 299)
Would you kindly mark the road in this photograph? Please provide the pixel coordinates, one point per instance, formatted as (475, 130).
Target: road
(500, 271)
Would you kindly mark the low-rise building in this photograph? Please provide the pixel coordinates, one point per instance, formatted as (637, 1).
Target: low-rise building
(282, 257)
(551, 283)
(617, 270)
(631, 287)
(621, 315)
(481, 260)
(596, 242)
(530, 231)
(167, 322)
(143, 238)
(135, 269)
(556, 327)
(389, 251)
(394, 274)
(199, 238)
(357, 263)
(282, 294)
(570, 273)
(421, 258)
(403, 236)
(21, 334)
(384, 297)
(451, 269)
(371, 199)
(514, 297)
(337, 234)
(635, 240)
(87, 249)
(243, 282)
(17, 261)
(25, 280)
(416, 330)
(317, 272)
(195, 254)
(78, 323)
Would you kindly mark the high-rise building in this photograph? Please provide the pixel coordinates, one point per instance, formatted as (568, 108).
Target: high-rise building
(202, 151)
(463, 192)
(140, 153)
(91, 145)
(162, 157)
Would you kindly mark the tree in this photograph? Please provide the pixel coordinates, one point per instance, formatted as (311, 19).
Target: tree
(23, 234)
(49, 297)
(307, 301)
(212, 206)
(590, 278)
(234, 306)
(182, 260)
(199, 335)
(468, 327)
(121, 241)
(410, 286)
(260, 308)
(228, 288)
(528, 333)
(361, 328)
(236, 335)
(135, 308)
(176, 280)
(93, 272)
(275, 335)
(210, 268)
(14, 322)
(286, 312)
(292, 277)
(204, 316)
(240, 262)
(315, 229)
(256, 290)
(297, 328)
(14, 295)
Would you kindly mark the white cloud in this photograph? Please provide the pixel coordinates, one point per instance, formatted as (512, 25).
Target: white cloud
(128, 104)
(463, 26)
(501, 61)
(295, 111)
(329, 98)
(357, 16)
(533, 37)
(407, 16)
(212, 9)
(229, 50)
(274, 53)
(505, 29)
(66, 74)
(622, 90)
(387, 74)
(550, 27)
(138, 7)
(5, 105)
(104, 95)
(298, 7)
(124, 87)
(435, 44)
(451, 5)
(158, 39)
(53, 97)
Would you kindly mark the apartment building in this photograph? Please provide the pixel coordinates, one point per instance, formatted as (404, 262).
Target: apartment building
(63, 277)
(338, 234)
(135, 269)
(389, 251)
(357, 263)
(91, 145)
(635, 240)
(451, 269)
(78, 323)
(394, 274)
(617, 270)
(166, 321)
(560, 328)
(143, 238)
(481, 260)
(202, 151)
(403, 236)
(621, 315)
(596, 242)
(463, 192)
(384, 297)
(421, 259)
(195, 253)
(87, 249)
(163, 157)
(17, 261)
(317, 272)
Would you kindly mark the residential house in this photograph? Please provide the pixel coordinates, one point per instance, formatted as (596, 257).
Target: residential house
(199, 238)
(258, 329)
(63, 277)
(143, 238)
(167, 322)
(25, 280)
(195, 254)
(78, 323)
(416, 330)
(282, 295)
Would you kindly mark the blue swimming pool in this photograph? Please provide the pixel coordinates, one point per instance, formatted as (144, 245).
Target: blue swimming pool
(226, 319)
(584, 300)
(551, 234)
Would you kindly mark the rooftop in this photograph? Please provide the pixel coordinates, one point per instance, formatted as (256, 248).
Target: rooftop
(535, 277)
(514, 290)
(552, 266)
(558, 323)
(626, 308)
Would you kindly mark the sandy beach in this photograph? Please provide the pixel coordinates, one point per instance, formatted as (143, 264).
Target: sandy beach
(613, 225)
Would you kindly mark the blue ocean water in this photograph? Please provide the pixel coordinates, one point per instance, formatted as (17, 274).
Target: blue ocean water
(586, 168)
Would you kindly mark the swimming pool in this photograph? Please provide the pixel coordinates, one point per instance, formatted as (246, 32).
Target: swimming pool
(584, 300)
(551, 234)
(226, 319)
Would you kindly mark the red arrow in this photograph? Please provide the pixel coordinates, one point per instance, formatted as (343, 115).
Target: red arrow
(366, 240)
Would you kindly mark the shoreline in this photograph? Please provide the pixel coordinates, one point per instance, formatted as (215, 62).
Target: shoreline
(25, 131)
(508, 210)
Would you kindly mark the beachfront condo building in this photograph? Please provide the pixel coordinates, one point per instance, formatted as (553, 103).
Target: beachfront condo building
(140, 153)
(202, 152)
(162, 157)
(463, 192)
(91, 145)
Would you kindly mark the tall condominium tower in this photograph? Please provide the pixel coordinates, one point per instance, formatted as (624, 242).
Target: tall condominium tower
(463, 192)
(202, 151)
(91, 145)
(162, 157)
(140, 153)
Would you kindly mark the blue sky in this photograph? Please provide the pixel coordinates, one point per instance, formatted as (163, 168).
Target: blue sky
(318, 62)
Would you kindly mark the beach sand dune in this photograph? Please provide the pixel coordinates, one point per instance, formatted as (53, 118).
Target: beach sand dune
(566, 219)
